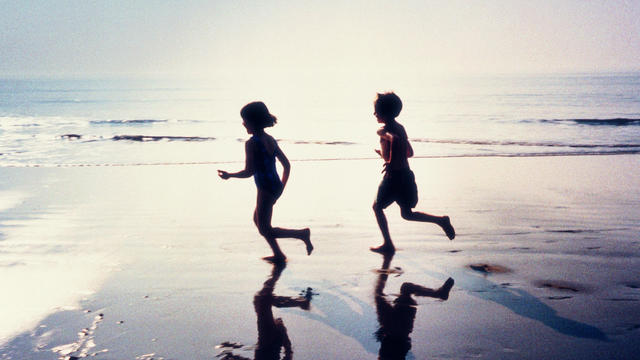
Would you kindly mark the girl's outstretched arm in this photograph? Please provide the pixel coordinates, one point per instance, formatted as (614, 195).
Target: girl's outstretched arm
(248, 165)
(285, 165)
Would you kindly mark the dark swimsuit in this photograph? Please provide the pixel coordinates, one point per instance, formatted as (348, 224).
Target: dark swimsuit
(265, 174)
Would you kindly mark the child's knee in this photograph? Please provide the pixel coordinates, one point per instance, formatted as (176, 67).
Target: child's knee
(406, 213)
(376, 207)
(406, 288)
(264, 230)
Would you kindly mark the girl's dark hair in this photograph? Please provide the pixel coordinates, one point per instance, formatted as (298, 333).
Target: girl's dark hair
(388, 105)
(256, 115)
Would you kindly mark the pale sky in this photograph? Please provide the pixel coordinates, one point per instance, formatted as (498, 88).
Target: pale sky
(206, 38)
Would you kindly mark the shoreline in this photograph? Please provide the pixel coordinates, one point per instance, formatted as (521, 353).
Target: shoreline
(417, 157)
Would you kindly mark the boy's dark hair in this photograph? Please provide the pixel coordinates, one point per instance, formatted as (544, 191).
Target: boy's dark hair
(256, 115)
(388, 105)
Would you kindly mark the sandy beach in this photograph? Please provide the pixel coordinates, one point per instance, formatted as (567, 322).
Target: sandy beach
(164, 262)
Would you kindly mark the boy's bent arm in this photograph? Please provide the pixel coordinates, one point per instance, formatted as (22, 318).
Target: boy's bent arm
(409, 149)
(403, 135)
(384, 134)
(386, 141)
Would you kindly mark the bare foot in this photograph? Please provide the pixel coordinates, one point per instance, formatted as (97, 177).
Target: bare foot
(383, 249)
(448, 229)
(307, 240)
(443, 292)
(280, 259)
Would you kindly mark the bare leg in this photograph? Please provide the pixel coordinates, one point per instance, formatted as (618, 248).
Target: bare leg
(302, 234)
(262, 218)
(409, 289)
(442, 221)
(387, 246)
(261, 215)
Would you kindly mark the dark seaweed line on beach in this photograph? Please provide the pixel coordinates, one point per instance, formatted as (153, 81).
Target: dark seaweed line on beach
(621, 121)
(593, 122)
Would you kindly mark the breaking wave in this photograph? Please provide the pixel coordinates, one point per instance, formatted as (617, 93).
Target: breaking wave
(144, 138)
(127, 122)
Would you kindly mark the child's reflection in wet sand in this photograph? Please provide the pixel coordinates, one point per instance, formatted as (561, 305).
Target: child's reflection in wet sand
(396, 320)
(272, 334)
(273, 340)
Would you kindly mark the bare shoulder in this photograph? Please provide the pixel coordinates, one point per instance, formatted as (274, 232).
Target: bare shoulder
(401, 130)
(271, 139)
(271, 144)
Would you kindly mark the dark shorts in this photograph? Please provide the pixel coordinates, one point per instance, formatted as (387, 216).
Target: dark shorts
(399, 186)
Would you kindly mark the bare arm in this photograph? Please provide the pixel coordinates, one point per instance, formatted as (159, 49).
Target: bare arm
(407, 143)
(386, 140)
(248, 165)
(409, 149)
(285, 165)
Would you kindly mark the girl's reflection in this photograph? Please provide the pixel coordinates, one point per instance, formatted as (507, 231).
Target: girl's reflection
(272, 334)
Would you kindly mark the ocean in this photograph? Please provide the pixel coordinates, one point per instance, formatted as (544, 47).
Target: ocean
(121, 122)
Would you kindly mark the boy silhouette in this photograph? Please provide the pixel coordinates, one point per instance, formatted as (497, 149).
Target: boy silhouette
(398, 183)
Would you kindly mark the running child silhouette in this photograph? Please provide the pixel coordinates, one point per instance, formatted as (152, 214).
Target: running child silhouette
(398, 183)
(261, 151)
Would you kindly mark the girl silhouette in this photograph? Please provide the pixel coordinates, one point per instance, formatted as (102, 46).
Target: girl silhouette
(261, 152)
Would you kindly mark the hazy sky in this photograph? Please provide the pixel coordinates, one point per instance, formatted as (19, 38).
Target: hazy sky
(204, 38)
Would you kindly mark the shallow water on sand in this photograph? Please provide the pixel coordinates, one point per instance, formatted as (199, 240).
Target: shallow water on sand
(165, 260)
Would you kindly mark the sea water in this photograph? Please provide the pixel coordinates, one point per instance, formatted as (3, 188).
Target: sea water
(73, 122)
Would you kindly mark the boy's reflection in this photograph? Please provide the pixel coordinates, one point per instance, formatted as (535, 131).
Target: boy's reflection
(272, 334)
(396, 320)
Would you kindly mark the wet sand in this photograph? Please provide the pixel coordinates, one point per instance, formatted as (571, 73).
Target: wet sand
(163, 262)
